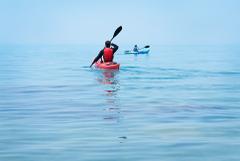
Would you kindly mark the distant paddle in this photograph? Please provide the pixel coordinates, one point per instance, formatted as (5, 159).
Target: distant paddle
(147, 46)
(117, 31)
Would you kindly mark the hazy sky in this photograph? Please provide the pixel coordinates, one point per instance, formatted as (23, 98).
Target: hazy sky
(143, 21)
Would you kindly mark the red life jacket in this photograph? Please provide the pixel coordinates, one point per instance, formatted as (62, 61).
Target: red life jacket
(108, 54)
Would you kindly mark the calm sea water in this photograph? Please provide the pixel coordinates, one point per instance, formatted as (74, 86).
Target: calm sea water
(179, 103)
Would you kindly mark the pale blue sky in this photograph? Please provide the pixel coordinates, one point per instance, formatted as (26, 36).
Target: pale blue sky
(143, 21)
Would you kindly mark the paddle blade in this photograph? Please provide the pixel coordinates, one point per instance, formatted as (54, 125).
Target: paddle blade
(147, 46)
(118, 30)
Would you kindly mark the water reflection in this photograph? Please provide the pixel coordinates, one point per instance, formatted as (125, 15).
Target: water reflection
(108, 79)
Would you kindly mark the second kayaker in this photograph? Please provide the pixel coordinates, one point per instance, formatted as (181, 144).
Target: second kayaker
(106, 54)
(135, 49)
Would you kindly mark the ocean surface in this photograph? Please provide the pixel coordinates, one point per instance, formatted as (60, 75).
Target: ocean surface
(178, 103)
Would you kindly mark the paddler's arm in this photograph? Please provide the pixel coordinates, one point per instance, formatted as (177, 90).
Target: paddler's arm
(100, 54)
(114, 47)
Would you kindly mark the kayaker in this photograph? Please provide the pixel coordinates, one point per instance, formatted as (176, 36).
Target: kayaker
(135, 49)
(107, 53)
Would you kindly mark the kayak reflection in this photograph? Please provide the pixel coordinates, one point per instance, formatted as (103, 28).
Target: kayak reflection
(108, 79)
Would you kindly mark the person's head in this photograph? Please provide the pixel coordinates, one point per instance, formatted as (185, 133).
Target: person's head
(135, 46)
(107, 44)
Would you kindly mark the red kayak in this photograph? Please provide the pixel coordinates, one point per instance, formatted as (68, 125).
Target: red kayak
(107, 65)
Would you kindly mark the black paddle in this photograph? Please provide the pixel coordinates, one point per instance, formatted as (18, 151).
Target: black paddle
(147, 46)
(117, 31)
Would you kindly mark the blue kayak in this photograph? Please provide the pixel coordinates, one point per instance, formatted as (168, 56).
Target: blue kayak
(141, 51)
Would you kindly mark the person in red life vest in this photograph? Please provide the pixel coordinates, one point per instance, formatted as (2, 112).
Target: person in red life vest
(107, 53)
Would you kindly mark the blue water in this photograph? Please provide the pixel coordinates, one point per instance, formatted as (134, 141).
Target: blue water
(179, 103)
